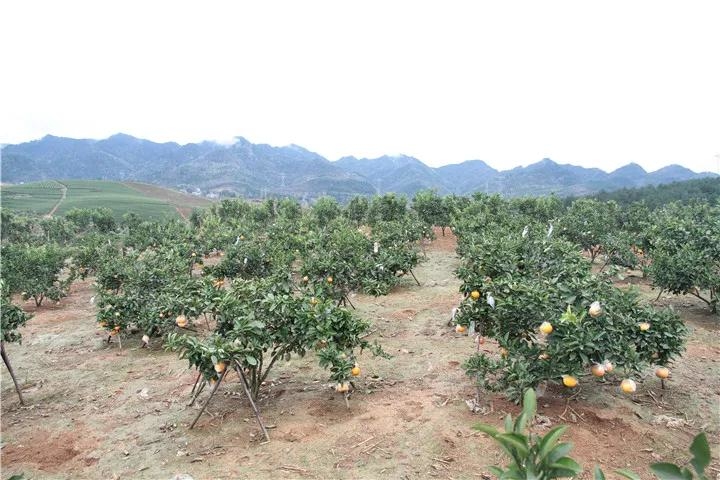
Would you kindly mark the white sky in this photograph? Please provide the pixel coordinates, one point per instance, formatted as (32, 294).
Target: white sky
(595, 84)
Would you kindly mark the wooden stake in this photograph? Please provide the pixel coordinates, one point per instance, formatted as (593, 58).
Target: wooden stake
(10, 369)
(416, 280)
(246, 386)
(197, 394)
(207, 402)
(196, 383)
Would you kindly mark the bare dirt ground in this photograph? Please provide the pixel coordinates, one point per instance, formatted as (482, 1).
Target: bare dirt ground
(100, 412)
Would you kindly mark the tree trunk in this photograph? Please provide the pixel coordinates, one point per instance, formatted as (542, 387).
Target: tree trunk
(10, 369)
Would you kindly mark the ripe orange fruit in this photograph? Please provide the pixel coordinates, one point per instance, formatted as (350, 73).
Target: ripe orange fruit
(305, 279)
(546, 328)
(569, 381)
(355, 371)
(662, 372)
(628, 386)
(220, 367)
(598, 370)
(460, 329)
(644, 326)
(181, 321)
(329, 279)
(474, 294)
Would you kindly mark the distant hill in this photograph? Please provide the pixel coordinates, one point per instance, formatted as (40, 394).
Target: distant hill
(705, 190)
(258, 170)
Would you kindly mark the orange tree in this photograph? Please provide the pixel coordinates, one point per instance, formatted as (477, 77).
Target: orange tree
(337, 259)
(356, 210)
(542, 291)
(260, 251)
(36, 272)
(587, 221)
(431, 209)
(340, 258)
(262, 321)
(148, 289)
(685, 252)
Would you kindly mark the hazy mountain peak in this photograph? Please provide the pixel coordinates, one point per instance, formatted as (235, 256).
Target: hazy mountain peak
(629, 169)
(257, 170)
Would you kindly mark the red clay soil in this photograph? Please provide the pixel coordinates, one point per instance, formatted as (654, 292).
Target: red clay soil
(97, 411)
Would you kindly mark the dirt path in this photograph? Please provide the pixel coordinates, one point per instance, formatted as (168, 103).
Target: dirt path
(181, 212)
(96, 411)
(63, 189)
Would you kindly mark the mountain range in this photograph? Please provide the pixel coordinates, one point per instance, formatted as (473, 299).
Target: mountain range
(258, 170)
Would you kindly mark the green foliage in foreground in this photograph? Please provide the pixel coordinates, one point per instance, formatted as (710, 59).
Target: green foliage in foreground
(544, 457)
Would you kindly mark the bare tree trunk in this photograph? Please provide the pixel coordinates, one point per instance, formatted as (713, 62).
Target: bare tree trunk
(10, 369)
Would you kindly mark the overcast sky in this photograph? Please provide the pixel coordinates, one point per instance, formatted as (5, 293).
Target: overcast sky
(597, 84)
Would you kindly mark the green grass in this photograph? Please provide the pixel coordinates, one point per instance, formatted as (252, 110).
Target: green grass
(153, 202)
(38, 197)
(118, 197)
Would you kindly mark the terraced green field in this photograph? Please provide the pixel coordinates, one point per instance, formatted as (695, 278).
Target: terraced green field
(38, 197)
(151, 202)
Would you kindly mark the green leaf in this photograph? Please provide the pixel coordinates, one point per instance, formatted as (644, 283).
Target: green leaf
(508, 423)
(548, 442)
(669, 471)
(498, 472)
(598, 473)
(250, 360)
(568, 464)
(520, 423)
(558, 452)
(514, 440)
(701, 453)
(628, 474)
(529, 403)
(490, 430)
